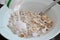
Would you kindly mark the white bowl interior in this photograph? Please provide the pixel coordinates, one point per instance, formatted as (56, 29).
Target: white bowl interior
(37, 7)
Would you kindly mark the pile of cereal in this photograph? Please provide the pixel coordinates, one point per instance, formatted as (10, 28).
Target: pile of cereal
(29, 24)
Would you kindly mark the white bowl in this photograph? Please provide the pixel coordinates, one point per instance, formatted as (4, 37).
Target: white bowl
(34, 6)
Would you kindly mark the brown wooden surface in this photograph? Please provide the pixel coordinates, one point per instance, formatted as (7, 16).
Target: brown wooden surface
(1, 5)
(57, 37)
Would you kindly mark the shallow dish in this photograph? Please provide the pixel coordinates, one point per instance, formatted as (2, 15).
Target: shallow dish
(54, 13)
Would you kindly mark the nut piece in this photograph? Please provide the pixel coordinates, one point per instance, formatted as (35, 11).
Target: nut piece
(34, 29)
(44, 17)
(21, 35)
(42, 26)
(49, 24)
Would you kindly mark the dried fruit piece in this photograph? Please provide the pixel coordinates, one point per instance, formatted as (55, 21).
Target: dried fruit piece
(47, 30)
